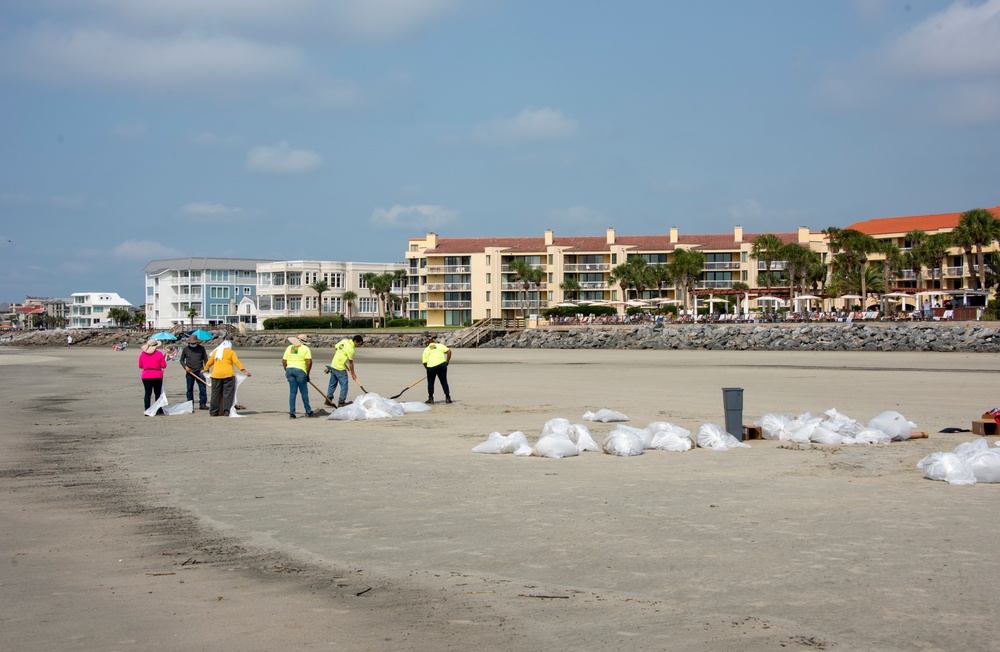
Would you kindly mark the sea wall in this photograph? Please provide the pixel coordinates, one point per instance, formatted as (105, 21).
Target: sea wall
(957, 336)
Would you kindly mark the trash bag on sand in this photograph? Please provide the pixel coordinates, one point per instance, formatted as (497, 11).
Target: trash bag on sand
(187, 407)
(713, 436)
(555, 446)
(496, 443)
(578, 433)
(969, 463)
(623, 441)
(669, 437)
(604, 415)
(157, 405)
(774, 426)
(368, 406)
(893, 424)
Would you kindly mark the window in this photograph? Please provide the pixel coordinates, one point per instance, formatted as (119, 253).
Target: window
(98, 308)
(336, 280)
(361, 282)
(218, 310)
(216, 292)
(366, 304)
(488, 279)
(246, 290)
(220, 275)
(279, 303)
(295, 303)
(149, 291)
(295, 278)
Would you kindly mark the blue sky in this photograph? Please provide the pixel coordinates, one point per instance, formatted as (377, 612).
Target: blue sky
(337, 129)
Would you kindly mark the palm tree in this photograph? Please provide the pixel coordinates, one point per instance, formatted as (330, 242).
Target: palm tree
(766, 248)
(120, 316)
(623, 276)
(934, 251)
(192, 313)
(348, 298)
(661, 276)
(913, 259)
(525, 274)
(570, 286)
(962, 237)
(891, 266)
(380, 285)
(851, 249)
(685, 268)
(320, 287)
(796, 257)
(984, 230)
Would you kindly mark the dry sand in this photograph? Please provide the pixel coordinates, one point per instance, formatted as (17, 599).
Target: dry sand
(122, 532)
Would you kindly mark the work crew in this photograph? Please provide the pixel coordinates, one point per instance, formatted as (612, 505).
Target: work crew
(436, 358)
(297, 363)
(341, 366)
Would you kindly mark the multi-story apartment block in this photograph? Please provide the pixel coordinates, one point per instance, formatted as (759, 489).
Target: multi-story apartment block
(455, 281)
(90, 309)
(217, 290)
(284, 288)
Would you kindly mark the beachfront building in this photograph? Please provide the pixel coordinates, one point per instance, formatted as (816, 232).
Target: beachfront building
(202, 292)
(285, 288)
(90, 309)
(455, 281)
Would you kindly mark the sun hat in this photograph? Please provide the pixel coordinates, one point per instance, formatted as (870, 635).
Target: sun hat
(151, 346)
(299, 340)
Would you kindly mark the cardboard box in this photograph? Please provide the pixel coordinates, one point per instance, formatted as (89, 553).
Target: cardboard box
(752, 432)
(984, 427)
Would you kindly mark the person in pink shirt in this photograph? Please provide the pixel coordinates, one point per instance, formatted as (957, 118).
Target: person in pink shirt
(152, 363)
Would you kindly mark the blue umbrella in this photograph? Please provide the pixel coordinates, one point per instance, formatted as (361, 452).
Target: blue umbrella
(202, 335)
(163, 336)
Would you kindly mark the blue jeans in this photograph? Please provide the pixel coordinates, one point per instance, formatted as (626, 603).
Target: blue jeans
(297, 382)
(338, 376)
(202, 392)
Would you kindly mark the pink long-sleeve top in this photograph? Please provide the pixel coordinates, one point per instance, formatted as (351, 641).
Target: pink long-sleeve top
(152, 364)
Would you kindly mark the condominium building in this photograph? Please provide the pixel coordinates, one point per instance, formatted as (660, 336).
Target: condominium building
(285, 288)
(90, 309)
(455, 281)
(202, 291)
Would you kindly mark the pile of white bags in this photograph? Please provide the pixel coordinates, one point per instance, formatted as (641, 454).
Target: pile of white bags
(713, 436)
(833, 427)
(373, 406)
(969, 463)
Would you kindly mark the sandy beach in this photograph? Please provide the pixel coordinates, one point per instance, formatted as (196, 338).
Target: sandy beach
(123, 532)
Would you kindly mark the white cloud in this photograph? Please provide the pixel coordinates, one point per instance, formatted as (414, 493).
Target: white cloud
(205, 208)
(130, 130)
(412, 218)
(144, 250)
(928, 71)
(531, 125)
(282, 159)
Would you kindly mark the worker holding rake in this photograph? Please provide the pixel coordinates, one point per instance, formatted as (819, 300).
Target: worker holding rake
(436, 358)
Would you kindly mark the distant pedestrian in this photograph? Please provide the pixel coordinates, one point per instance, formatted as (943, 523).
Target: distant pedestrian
(298, 363)
(152, 363)
(436, 358)
(69, 341)
(341, 366)
(223, 363)
(193, 359)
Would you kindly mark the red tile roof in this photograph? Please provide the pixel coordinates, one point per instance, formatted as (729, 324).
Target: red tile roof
(31, 310)
(885, 225)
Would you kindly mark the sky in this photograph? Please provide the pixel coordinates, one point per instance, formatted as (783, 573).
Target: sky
(132, 130)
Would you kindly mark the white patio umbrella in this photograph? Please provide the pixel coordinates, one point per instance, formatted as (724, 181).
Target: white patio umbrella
(638, 303)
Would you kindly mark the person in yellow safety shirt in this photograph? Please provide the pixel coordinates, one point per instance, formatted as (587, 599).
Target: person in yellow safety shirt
(341, 366)
(222, 362)
(436, 358)
(297, 363)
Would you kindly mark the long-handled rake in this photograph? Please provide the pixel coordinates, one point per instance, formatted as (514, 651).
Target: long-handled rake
(415, 382)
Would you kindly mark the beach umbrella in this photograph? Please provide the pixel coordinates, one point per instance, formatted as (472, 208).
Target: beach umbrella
(856, 297)
(202, 335)
(163, 336)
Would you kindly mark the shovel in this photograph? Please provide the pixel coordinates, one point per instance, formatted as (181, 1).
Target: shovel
(419, 380)
(326, 399)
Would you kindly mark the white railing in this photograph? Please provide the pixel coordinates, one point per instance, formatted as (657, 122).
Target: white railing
(449, 269)
(519, 287)
(775, 265)
(594, 285)
(954, 271)
(585, 267)
(449, 305)
(714, 266)
(449, 287)
(708, 285)
(524, 304)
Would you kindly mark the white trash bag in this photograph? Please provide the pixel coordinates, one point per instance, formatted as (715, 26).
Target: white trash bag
(604, 415)
(623, 441)
(948, 467)
(893, 424)
(368, 406)
(555, 446)
(159, 403)
(496, 443)
(669, 437)
(714, 437)
(578, 433)
(187, 407)
(774, 426)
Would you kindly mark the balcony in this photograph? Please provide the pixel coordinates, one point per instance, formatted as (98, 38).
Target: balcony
(722, 265)
(585, 267)
(449, 305)
(775, 265)
(713, 285)
(518, 287)
(449, 287)
(954, 271)
(520, 305)
(594, 285)
(187, 297)
(449, 269)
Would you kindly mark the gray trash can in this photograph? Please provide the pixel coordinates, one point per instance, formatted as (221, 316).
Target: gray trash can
(732, 403)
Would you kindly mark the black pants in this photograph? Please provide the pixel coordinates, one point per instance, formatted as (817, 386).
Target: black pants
(223, 396)
(153, 387)
(441, 373)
